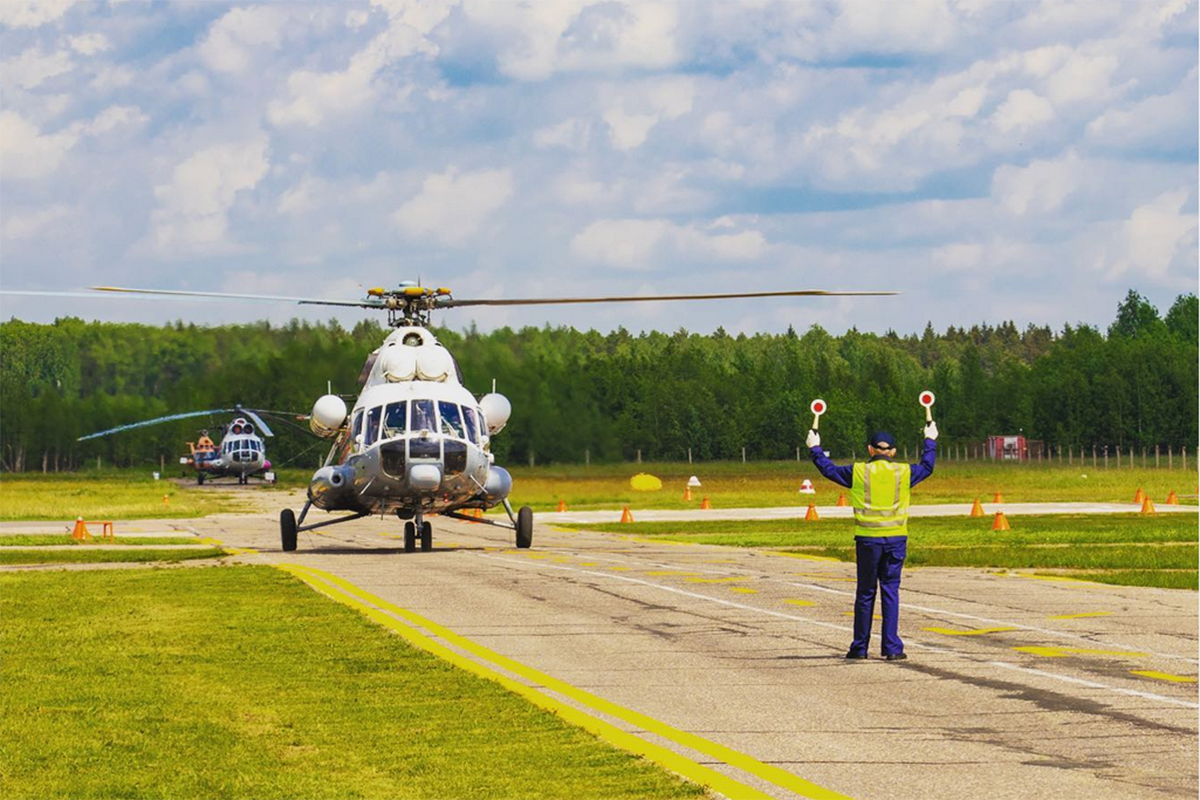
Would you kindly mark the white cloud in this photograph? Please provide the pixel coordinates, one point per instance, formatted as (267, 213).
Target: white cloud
(192, 217)
(88, 44)
(235, 40)
(33, 67)
(1161, 121)
(34, 224)
(32, 13)
(452, 206)
(25, 153)
(114, 117)
(640, 244)
(1158, 238)
(1022, 109)
(573, 134)
(1039, 188)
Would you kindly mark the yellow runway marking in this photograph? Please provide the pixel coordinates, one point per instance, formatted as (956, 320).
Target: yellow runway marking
(744, 590)
(618, 569)
(718, 561)
(806, 556)
(589, 564)
(537, 556)
(1063, 652)
(675, 572)
(240, 550)
(975, 632)
(1162, 676)
(717, 580)
(561, 560)
(793, 601)
(374, 607)
(1081, 616)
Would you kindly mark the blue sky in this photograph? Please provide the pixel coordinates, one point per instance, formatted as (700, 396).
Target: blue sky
(991, 160)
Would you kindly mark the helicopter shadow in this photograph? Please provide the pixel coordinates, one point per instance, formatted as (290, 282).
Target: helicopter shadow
(339, 550)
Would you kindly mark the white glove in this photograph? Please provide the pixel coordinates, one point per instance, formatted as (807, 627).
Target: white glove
(931, 430)
(813, 440)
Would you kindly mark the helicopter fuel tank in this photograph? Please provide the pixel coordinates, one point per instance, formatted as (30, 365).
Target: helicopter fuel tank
(496, 410)
(328, 414)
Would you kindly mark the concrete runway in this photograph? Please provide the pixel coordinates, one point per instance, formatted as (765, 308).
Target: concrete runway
(1015, 687)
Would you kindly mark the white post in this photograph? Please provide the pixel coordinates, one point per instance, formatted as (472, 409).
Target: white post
(743, 455)
(689, 455)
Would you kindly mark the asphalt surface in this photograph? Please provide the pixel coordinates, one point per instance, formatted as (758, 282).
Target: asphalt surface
(1014, 687)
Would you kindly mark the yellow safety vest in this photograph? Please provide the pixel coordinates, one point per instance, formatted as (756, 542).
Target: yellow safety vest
(880, 492)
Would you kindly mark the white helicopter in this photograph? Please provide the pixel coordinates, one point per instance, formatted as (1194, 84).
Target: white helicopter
(242, 453)
(416, 443)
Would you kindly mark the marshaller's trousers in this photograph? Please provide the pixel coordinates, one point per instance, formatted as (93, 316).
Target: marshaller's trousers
(880, 559)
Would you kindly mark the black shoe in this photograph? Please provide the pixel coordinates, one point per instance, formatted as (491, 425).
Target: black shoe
(896, 657)
(855, 654)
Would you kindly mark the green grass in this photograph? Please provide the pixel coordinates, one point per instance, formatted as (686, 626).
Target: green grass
(1143, 550)
(105, 495)
(241, 682)
(61, 539)
(775, 483)
(62, 555)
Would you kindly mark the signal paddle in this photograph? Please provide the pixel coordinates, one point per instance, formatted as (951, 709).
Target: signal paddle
(818, 408)
(926, 399)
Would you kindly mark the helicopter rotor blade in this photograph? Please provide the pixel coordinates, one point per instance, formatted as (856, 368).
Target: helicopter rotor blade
(155, 421)
(541, 301)
(315, 301)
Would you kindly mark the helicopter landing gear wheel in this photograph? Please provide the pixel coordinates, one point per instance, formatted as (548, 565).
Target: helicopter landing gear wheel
(524, 527)
(287, 529)
(426, 537)
(410, 537)
(200, 479)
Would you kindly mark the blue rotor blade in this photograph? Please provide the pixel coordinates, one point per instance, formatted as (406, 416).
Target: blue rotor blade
(156, 421)
(262, 426)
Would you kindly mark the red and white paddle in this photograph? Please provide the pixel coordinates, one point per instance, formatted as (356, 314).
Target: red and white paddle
(818, 408)
(927, 399)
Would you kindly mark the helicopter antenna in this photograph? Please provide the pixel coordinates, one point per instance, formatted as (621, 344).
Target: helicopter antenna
(328, 387)
(493, 385)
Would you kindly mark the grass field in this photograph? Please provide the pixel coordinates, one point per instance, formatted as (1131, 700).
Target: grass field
(773, 484)
(65, 539)
(108, 495)
(241, 682)
(68, 555)
(1120, 548)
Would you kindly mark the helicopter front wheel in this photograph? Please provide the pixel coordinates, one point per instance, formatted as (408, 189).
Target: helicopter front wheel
(287, 529)
(200, 479)
(426, 537)
(524, 527)
(410, 537)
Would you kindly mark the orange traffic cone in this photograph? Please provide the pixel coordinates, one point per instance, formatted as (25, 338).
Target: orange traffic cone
(626, 516)
(687, 493)
(705, 505)
(997, 498)
(1000, 523)
(1172, 499)
(166, 499)
(811, 516)
(976, 510)
(562, 506)
(478, 515)
(1140, 497)
(81, 532)
(1148, 506)
(842, 500)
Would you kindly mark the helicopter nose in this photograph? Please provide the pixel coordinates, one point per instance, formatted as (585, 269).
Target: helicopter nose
(425, 477)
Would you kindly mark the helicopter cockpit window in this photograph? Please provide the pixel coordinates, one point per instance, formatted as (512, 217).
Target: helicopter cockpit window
(423, 418)
(356, 425)
(395, 420)
(472, 425)
(373, 425)
(452, 424)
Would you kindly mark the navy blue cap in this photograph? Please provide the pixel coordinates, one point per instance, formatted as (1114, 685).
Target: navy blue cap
(882, 440)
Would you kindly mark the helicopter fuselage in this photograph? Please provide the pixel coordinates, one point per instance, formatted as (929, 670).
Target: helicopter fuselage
(415, 441)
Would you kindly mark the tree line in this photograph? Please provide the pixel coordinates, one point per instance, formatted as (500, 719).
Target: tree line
(611, 397)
